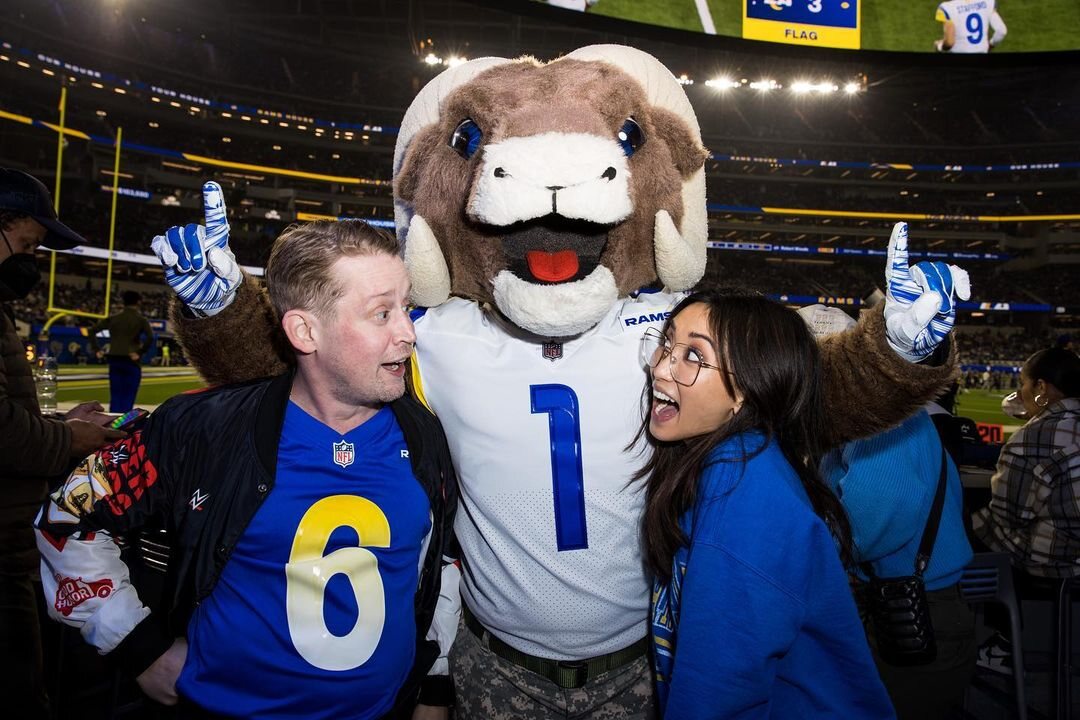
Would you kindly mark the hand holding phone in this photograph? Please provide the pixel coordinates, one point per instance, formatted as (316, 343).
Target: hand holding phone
(131, 420)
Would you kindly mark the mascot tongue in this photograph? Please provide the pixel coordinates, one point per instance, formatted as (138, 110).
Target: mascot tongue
(552, 266)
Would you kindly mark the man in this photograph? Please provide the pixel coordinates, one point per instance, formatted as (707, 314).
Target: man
(129, 337)
(308, 512)
(32, 447)
(967, 24)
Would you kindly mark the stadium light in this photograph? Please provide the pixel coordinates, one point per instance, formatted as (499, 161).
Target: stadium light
(851, 88)
(433, 59)
(801, 87)
(455, 60)
(722, 83)
(685, 79)
(765, 85)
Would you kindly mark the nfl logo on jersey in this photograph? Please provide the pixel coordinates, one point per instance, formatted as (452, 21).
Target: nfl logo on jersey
(551, 351)
(343, 454)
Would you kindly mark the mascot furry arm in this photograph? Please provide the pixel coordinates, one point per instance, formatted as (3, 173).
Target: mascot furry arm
(550, 191)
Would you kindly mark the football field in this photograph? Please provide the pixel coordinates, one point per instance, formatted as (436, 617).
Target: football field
(886, 24)
(80, 383)
(984, 406)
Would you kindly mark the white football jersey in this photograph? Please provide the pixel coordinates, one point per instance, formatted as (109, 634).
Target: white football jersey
(972, 21)
(549, 529)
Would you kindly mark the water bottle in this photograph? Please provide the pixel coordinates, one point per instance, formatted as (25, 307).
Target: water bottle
(45, 380)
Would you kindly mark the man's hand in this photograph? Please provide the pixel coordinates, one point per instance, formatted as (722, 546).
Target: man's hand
(91, 411)
(199, 266)
(86, 437)
(134, 356)
(920, 301)
(431, 712)
(159, 680)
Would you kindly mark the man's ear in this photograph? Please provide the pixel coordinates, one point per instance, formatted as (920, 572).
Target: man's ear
(299, 327)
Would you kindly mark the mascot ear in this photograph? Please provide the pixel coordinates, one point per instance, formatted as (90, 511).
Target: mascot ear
(680, 250)
(418, 139)
(686, 150)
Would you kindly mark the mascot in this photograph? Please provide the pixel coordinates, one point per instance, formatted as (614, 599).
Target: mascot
(532, 202)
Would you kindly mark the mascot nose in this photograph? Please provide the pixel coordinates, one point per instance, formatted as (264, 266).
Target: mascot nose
(609, 174)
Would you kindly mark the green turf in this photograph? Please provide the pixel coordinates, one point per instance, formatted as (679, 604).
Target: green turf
(727, 17)
(678, 14)
(984, 406)
(152, 391)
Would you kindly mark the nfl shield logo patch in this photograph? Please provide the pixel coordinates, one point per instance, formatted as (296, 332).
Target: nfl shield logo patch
(344, 454)
(552, 351)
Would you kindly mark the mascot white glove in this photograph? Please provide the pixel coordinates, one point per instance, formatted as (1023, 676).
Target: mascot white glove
(199, 266)
(920, 303)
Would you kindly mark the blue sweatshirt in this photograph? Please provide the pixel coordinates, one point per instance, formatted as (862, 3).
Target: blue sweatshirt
(887, 484)
(758, 620)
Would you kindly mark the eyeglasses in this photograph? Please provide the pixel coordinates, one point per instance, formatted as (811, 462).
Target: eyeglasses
(685, 362)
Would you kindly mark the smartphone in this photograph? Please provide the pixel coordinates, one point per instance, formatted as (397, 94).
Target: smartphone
(131, 420)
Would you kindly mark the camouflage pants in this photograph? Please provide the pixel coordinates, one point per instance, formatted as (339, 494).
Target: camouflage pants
(487, 687)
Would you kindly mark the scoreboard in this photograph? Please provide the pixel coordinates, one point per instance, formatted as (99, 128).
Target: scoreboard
(817, 23)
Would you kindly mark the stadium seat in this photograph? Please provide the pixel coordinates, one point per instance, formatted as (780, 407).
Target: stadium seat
(988, 579)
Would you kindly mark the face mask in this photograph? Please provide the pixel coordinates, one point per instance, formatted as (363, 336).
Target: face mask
(1013, 406)
(18, 274)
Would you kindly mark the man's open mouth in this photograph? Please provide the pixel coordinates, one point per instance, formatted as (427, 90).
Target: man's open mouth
(552, 249)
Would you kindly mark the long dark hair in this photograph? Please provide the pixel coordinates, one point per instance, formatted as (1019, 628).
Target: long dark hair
(775, 361)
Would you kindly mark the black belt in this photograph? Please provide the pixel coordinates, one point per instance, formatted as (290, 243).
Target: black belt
(567, 674)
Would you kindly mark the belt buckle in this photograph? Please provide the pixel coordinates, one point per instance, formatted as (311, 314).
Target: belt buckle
(571, 674)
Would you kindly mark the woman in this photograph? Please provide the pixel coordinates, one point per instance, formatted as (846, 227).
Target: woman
(1033, 513)
(752, 615)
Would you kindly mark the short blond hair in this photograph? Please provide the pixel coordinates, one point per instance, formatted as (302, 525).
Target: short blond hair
(298, 272)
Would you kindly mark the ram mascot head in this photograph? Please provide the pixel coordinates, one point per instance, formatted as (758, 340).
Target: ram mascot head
(551, 189)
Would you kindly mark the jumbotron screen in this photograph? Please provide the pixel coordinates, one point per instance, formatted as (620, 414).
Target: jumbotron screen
(952, 26)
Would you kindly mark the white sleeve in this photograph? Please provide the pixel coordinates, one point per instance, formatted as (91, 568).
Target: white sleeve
(998, 26)
(444, 624)
(87, 586)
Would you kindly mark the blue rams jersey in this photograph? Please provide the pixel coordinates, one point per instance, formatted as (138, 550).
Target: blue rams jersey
(313, 614)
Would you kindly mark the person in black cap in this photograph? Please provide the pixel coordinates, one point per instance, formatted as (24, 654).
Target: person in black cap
(32, 447)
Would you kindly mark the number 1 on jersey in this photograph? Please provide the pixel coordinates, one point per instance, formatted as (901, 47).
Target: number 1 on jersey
(560, 404)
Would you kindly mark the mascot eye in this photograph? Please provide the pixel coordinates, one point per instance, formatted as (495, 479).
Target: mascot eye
(466, 138)
(631, 137)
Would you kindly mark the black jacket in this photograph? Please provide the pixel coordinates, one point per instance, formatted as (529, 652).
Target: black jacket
(222, 443)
